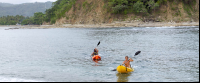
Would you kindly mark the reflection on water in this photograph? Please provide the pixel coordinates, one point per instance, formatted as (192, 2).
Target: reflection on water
(123, 77)
(96, 62)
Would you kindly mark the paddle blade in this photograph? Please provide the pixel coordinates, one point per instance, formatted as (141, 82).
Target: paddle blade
(114, 70)
(138, 52)
(98, 43)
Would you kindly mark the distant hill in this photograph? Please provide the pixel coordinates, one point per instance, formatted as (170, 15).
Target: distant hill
(6, 4)
(25, 9)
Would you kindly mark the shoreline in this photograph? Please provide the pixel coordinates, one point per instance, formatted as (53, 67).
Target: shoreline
(110, 25)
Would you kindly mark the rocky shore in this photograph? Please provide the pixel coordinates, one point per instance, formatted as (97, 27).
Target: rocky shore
(114, 24)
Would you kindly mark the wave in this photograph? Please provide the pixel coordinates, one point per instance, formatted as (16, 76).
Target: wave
(161, 27)
(6, 79)
(165, 27)
(129, 28)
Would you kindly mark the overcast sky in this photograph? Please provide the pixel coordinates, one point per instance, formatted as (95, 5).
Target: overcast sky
(24, 1)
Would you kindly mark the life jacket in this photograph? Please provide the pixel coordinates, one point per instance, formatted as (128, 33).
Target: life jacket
(94, 53)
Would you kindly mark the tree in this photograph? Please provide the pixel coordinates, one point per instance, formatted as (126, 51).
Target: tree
(39, 18)
(119, 8)
(139, 7)
(58, 10)
(28, 21)
(152, 5)
(11, 20)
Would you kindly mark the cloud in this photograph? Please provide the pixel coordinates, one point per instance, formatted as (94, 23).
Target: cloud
(24, 1)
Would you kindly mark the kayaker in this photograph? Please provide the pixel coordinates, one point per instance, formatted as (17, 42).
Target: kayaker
(95, 52)
(127, 62)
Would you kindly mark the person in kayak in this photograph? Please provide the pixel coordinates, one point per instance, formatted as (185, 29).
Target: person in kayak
(127, 62)
(95, 52)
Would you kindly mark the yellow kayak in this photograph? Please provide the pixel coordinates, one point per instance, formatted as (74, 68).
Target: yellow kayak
(123, 69)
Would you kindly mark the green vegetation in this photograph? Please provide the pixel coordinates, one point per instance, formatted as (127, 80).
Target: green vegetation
(11, 20)
(37, 19)
(133, 6)
(25, 9)
(6, 4)
(84, 4)
(60, 7)
(188, 6)
(88, 7)
(51, 15)
(58, 10)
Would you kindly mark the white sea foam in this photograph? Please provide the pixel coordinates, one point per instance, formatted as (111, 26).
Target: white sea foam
(161, 27)
(7, 79)
(166, 27)
(148, 27)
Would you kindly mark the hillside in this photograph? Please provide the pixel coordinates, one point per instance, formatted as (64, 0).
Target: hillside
(99, 12)
(25, 9)
(5, 4)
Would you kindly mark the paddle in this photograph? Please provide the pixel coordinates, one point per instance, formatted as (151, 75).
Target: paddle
(98, 43)
(138, 52)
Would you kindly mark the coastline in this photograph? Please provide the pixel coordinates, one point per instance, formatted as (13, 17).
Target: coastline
(110, 25)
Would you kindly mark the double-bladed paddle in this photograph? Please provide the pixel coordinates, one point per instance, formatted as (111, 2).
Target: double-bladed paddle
(138, 52)
(98, 43)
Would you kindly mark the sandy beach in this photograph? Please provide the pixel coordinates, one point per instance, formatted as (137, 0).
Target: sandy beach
(114, 24)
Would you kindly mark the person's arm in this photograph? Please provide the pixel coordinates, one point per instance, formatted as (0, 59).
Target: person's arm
(123, 63)
(92, 53)
(131, 60)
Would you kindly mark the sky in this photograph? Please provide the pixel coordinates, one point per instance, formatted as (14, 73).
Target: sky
(24, 1)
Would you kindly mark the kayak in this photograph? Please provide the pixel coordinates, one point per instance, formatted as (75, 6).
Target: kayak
(96, 57)
(123, 69)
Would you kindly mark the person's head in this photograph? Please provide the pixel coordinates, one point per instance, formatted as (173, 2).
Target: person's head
(95, 50)
(126, 57)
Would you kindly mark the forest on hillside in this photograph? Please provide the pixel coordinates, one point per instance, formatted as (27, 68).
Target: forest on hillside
(25, 9)
(146, 7)
(60, 7)
(140, 6)
(37, 19)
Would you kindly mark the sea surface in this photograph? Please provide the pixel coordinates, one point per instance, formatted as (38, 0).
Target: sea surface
(168, 54)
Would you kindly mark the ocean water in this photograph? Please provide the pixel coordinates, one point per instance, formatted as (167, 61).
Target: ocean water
(168, 54)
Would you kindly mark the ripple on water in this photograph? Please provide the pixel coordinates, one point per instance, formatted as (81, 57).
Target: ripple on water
(64, 54)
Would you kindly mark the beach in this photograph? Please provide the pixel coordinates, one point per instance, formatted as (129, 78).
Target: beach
(108, 25)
